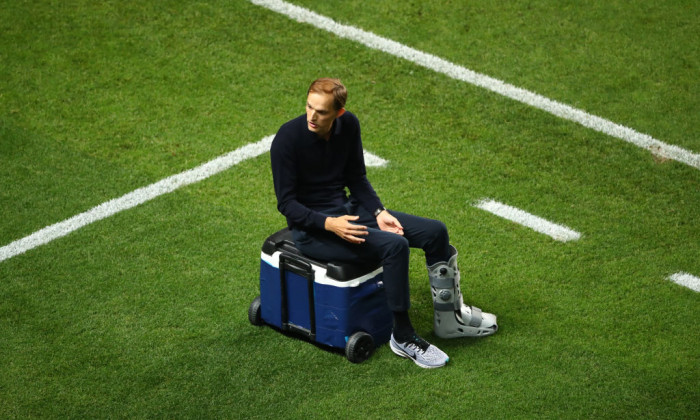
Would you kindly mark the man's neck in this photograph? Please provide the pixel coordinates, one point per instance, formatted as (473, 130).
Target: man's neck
(327, 136)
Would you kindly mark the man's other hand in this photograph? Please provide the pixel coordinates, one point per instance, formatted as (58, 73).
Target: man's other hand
(343, 227)
(389, 223)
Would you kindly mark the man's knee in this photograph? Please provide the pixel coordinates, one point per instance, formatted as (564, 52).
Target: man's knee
(396, 245)
(439, 232)
(438, 246)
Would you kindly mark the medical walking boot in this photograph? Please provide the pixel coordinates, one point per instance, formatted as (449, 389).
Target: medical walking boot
(452, 317)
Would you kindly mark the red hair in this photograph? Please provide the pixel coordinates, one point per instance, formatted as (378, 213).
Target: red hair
(330, 87)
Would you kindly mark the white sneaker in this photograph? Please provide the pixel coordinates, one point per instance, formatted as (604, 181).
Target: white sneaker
(420, 351)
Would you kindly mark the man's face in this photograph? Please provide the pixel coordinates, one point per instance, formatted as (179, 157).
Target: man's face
(320, 113)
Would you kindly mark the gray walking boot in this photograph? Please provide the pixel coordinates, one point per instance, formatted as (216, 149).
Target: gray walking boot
(452, 317)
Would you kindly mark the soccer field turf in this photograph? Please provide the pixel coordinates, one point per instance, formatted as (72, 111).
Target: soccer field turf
(557, 140)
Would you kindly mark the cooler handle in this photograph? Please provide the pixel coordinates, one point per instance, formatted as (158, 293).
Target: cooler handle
(303, 269)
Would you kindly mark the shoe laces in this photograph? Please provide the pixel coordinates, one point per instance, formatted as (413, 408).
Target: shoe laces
(418, 343)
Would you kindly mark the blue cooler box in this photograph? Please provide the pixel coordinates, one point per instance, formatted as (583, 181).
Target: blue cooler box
(335, 304)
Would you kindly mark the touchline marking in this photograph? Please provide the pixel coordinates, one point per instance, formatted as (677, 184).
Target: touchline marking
(144, 194)
(374, 160)
(134, 198)
(538, 224)
(687, 280)
(457, 72)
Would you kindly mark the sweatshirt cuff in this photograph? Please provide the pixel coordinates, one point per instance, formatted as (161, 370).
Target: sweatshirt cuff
(320, 221)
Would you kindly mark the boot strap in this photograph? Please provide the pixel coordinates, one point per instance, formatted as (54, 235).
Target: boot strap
(442, 282)
(444, 306)
(476, 317)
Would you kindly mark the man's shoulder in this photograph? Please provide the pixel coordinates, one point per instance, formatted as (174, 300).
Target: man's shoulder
(289, 134)
(348, 123)
(294, 123)
(350, 117)
(292, 128)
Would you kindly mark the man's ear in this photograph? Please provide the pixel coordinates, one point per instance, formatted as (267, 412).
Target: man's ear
(341, 112)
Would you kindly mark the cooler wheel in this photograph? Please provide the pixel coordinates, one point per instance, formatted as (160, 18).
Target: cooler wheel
(359, 347)
(254, 315)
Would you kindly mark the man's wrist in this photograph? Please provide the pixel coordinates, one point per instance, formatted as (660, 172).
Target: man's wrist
(379, 211)
(327, 223)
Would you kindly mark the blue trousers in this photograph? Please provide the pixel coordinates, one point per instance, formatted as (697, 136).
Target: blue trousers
(391, 249)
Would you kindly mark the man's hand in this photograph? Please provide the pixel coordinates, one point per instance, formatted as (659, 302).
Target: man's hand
(389, 223)
(342, 227)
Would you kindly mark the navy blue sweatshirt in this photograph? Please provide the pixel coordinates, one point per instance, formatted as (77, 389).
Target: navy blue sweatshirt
(311, 174)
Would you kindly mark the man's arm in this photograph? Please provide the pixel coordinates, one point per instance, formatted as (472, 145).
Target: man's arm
(356, 171)
(284, 175)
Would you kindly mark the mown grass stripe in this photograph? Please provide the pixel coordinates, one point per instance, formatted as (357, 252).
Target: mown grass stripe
(538, 224)
(686, 280)
(457, 72)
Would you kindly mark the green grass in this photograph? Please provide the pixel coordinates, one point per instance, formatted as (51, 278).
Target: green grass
(144, 314)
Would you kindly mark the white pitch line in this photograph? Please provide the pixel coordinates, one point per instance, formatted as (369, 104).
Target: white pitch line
(686, 280)
(374, 160)
(144, 194)
(538, 224)
(457, 72)
(134, 198)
